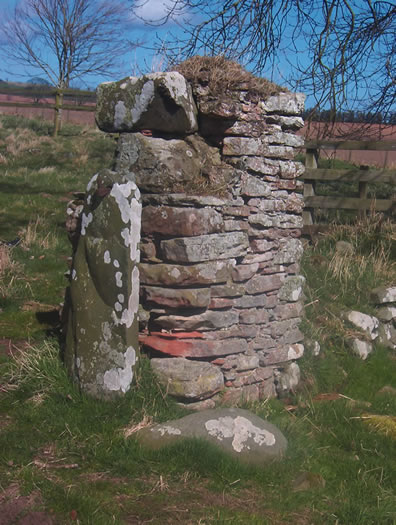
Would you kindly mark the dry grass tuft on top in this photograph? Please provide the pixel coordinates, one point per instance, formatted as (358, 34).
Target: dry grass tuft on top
(222, 75)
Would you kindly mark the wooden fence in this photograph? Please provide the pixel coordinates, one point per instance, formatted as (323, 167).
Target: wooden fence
(363, 176)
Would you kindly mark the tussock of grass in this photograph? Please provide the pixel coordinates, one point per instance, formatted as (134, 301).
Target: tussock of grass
(383, 424)
(222, 75)
(36, 235)
(37, 366)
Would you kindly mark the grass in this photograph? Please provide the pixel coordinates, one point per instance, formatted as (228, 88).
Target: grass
(38, 177)
(78, 460)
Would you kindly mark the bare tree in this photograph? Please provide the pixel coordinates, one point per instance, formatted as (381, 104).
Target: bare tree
(67, 39)
(341, 52)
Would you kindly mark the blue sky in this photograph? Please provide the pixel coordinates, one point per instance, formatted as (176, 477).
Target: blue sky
(140, 60)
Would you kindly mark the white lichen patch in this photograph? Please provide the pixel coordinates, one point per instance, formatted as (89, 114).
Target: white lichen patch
(167, 429)
(129, 314)
(240, 430)
(118, 277)
(120, 112)
(85, 221)
(106, 330)
(120, 298)
(175, 273)
(106, 257)
(120, 378)
(91, 182)
(116, 263)
(127, 197)
(142, 101)
(295, 351)
(74, 275)
(118, 307)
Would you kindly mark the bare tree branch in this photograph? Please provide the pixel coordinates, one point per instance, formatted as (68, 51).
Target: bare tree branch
(341, 52)
(68, 39)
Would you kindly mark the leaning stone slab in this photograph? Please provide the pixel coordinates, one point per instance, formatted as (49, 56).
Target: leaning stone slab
(384, 295)
(238, 432)
(205, 247)
(158, 101)
(188, 380)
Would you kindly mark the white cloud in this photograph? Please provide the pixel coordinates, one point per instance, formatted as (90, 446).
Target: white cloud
(155, 11)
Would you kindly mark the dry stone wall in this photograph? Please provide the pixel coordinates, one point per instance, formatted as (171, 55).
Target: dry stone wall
(220, 288)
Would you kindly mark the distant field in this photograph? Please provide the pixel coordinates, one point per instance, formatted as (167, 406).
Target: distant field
(314, 130)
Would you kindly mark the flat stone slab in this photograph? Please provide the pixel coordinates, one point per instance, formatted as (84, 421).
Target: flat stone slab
(158, 101)
(238, 432)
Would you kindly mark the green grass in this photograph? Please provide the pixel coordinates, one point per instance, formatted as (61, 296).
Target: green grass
(38, 175)
(73, 451)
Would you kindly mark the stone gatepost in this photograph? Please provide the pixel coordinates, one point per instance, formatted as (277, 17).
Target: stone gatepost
(211, 149)
(103, 297)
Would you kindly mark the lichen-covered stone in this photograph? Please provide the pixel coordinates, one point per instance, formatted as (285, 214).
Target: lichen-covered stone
(284, 104)
(102, 333)
(292, 288)
(188, 380)
(238, 432)
(158, 101)
(368, 323)
(360, 347)
(383, 294)
(160, 165)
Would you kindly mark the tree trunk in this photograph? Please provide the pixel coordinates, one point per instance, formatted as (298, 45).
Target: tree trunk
(58, 112)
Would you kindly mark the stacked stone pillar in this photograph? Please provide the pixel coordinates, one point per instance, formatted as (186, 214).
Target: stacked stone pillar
(220, 289)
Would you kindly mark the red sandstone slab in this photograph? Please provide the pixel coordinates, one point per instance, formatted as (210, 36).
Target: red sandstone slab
(194, 347)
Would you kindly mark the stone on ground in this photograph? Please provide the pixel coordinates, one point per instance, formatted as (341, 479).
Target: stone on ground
(238, 432)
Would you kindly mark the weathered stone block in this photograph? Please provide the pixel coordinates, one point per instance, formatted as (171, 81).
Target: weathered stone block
(185, 379)
(264, 283)
(267, 220)
(180, 298)
(244, 272)
(195, 347)
(209, 320)
(280, 354)
(180, 222)
(292, 288)
(205, 247)
(284, 104)
(160, 165)
(157, 101)
(181, 275)
(254, 316)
